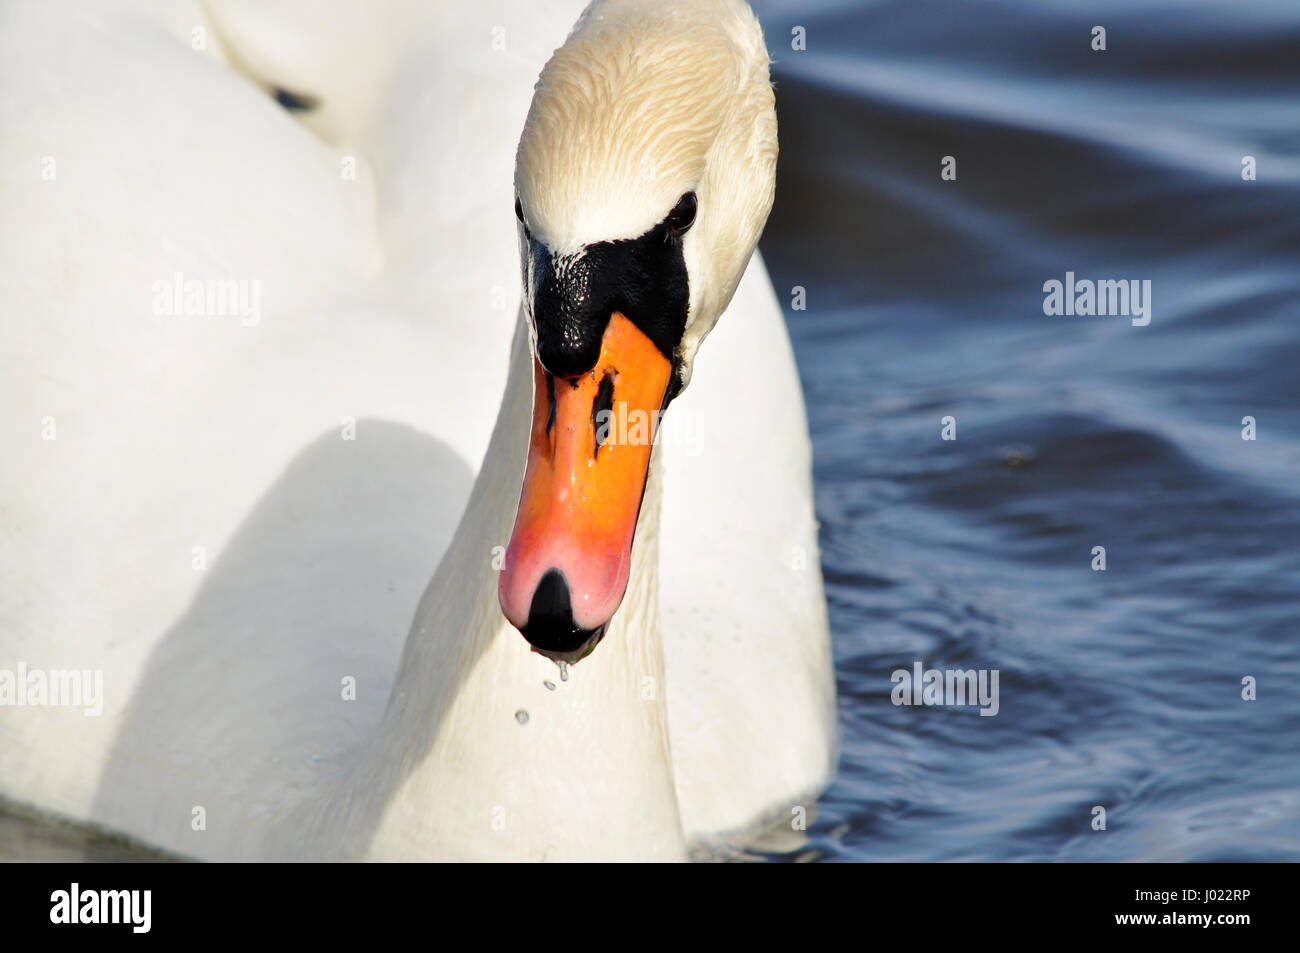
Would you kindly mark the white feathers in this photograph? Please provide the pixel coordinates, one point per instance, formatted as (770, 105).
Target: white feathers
(388, 299)
(643, 103)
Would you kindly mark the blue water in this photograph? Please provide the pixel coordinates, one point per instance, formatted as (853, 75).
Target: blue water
(924, 299)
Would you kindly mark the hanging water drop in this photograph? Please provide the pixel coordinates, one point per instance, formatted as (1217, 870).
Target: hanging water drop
(564, 671)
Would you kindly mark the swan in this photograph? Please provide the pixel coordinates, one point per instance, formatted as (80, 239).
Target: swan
(640, 670)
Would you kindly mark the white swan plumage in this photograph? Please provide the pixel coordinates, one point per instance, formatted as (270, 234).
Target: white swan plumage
(232, 519)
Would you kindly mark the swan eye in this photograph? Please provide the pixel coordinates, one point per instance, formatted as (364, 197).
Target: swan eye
(682, 217)
(519, 211)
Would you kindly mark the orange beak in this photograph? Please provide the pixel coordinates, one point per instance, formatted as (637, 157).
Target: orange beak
(567, 564)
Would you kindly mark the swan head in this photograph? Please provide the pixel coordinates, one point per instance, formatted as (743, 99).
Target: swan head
(644, 176)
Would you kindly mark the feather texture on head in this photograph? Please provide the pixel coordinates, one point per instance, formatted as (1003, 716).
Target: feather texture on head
(643, 103)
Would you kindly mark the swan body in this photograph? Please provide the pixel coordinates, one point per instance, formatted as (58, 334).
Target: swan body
(233, 521)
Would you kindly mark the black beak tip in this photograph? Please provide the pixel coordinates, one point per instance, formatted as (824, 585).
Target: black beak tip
(551, 630)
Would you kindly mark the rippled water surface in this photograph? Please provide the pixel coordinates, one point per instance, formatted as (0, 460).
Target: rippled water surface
(924, 299)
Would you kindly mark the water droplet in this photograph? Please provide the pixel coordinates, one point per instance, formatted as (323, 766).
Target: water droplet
(521, 716)
(564, 671)
(550, 685)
